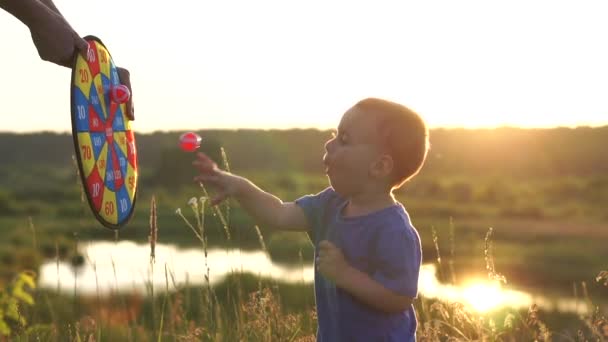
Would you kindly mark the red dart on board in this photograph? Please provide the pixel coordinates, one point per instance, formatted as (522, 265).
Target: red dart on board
(120, 94)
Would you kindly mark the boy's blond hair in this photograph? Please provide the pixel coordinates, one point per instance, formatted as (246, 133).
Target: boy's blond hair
(403, 133)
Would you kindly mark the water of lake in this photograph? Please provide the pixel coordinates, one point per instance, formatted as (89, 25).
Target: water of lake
(125, 266)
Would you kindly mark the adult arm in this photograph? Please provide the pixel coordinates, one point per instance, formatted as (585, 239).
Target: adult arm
(54, 38)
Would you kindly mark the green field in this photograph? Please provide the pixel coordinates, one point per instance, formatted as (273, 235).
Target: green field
(542, 191)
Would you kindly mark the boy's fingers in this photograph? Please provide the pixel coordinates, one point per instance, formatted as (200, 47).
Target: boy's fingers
(325, 245)
(205, 166)
(201, 155)
(203, 159)
(217, 199)
(206, 178)
(201, 165)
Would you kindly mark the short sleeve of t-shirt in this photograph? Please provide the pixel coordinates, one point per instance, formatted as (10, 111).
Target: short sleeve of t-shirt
(398, 258)
(314, 207)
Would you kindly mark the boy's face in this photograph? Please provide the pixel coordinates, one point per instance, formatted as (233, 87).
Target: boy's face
(350, 154)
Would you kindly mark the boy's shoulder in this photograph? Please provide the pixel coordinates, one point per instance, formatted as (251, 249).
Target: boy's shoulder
(329, 197)
(394, 216)
(396, 220)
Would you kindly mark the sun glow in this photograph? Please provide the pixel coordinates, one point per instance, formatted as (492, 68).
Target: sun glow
(477, 294)
(261, 64)
(484, 296)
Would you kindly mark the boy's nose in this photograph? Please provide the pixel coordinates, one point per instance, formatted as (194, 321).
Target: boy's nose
(328, 145)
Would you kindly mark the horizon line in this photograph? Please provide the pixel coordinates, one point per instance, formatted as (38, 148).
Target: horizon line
(472, 128)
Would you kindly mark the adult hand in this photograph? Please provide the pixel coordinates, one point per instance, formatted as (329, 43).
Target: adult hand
(125, 78)
(55, 39)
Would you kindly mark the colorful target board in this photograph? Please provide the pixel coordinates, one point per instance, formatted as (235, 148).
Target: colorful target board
(103, 138)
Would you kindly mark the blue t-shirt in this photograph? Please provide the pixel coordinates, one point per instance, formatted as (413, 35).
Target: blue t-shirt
(383, 244)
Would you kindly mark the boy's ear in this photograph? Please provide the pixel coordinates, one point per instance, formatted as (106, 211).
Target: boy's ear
(383, 166)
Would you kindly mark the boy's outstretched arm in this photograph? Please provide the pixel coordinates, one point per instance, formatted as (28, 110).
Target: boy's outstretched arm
(332, 265)
(265, 208)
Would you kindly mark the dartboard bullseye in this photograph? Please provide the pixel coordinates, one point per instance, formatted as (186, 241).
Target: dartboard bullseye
(103, 137)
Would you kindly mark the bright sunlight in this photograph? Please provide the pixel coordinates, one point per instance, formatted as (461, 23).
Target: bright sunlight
(484, 296)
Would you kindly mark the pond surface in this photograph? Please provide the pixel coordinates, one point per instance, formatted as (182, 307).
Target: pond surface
(125, 266)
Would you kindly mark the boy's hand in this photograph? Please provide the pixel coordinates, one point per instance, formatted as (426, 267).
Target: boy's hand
(226, 184)
(331, 262)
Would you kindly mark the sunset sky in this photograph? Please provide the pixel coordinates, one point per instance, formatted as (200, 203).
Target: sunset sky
(284, 64)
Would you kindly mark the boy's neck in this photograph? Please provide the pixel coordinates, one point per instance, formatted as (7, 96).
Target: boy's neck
(366, 203)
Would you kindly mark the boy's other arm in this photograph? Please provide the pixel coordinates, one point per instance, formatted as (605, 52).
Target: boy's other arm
(371, 292)
(265, 208)
(333, 266)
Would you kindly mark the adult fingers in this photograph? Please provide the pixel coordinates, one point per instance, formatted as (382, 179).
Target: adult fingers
(125, 78)
(81, 44)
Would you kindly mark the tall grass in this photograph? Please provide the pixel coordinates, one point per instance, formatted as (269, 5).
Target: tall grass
(250, 309)
(453, 321)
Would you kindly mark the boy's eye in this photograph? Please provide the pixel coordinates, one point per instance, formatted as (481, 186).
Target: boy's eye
(343, 138)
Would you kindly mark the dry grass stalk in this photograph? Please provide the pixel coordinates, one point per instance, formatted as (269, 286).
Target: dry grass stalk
(261, 239)
(217, 212)
(227, 168)
(178, 212)
(78, 179)
(602, 277)
(153, 236)
(490, 259)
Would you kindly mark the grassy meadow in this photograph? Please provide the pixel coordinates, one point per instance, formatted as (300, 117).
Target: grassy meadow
(543, 193)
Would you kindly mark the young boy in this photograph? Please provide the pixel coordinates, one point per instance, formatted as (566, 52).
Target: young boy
(367, 252)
